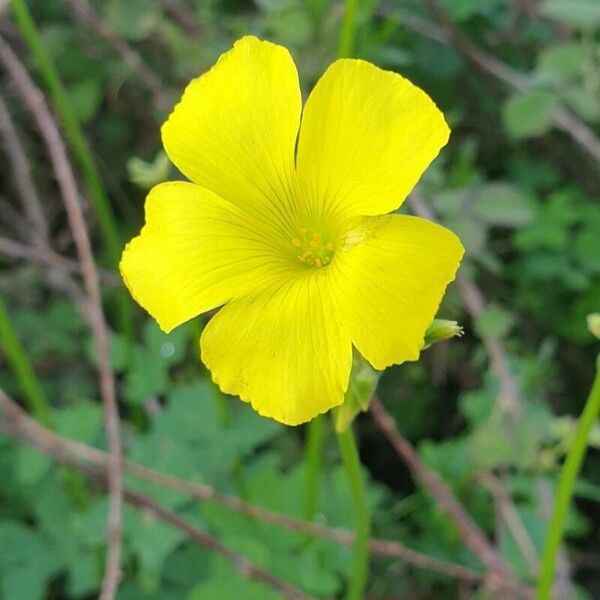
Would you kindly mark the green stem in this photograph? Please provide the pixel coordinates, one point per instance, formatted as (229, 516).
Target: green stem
(33, 394)
(347, 34)
(564, 493)
(79, 147)
(17, 357)
(362, 522)
(312, 461)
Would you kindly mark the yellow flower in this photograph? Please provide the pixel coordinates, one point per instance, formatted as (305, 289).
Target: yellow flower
(285, 227)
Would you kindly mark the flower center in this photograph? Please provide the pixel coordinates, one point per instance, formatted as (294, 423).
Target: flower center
(312, 250)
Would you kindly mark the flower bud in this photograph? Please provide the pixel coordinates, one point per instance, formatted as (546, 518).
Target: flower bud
(593, 323)
(441, 329)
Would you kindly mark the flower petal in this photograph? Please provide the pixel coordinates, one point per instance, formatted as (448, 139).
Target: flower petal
(366, 137)
(195, 252)
(390, 280)
(284, 350)
(234, 130)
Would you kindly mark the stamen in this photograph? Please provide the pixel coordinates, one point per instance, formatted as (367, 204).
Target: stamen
(315, 251)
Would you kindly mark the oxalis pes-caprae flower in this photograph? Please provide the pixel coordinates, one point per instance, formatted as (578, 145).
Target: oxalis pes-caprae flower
(286, 226)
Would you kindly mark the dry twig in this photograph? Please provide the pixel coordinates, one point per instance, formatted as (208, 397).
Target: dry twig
(242, 564)
(562, 119)
(46, 256)
(34, 100)
(470, 532)
(21, 169)
(475, 304)
(62, 455)
(20, 426)
(85, 12)
(513, 521)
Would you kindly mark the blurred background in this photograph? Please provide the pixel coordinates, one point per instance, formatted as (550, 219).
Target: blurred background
(492, 413)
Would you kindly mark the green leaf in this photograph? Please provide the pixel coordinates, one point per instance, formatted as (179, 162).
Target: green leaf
(133, 19)
(503, 204)
(30, 564)
(494, 321)
(580, 14)
(584, 101)
(170, 347)
(147, 376)
(82, 421)
(472, 233)
(85, 97)
(564, 59)
(152, 541)
(147, 174)
(30, 466)
(528, 114)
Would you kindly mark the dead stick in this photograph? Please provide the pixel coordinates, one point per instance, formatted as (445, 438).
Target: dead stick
(85, 12)
(475, 304)
(562, 118)
(34, 100)
(21, 426)
(469, 531)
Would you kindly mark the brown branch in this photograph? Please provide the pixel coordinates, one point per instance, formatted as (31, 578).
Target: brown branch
(16, 250)
(469, 531)
(562, 119)
(475, 304)
(21, 169)
(61, 455)
(242, 564)
(36, 104)
(14, 219)
(86, 13)
(20, 426)
(513, 521)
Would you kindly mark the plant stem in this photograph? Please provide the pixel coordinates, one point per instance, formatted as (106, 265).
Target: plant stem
(80, 149)
(347, 34)
(362, 525)
(17, 357)
(312, 461)
(564, 492)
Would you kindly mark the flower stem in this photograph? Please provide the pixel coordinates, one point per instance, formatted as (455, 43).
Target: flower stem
(564, 493)
(312, 461)
(17, 357)
(80, 149)
(347, 34)
(362, 521)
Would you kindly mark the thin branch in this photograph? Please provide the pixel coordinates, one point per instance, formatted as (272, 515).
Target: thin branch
(246, 568)
(242, 564)
(86, 13)
(36, 103)
(475, 304)
(469, 531)
(513, 521)
(20, 426)
(14, 219)
(17, 250)
(449, 33)
(21, 169)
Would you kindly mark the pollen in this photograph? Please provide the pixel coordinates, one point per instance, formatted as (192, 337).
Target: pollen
(315, 251)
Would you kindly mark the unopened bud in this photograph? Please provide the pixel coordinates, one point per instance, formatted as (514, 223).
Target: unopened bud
(441, 329)
(593, 323)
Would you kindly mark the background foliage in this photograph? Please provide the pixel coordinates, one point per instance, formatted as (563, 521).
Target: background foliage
(522, 195)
